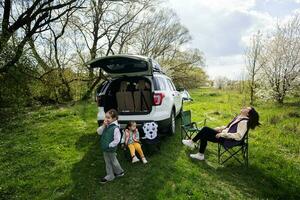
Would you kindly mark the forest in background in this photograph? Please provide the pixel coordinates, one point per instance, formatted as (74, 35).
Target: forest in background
(45, 45)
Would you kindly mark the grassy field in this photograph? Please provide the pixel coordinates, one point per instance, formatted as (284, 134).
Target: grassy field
(53, 153)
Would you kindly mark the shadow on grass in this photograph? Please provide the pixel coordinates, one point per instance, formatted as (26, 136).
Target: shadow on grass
(140, 180)
(168, 176)
(251, 181)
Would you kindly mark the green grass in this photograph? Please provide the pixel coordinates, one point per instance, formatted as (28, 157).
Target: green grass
(53, 153)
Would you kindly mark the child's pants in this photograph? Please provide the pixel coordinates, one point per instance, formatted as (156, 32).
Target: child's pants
(112, 165)
(135, 146)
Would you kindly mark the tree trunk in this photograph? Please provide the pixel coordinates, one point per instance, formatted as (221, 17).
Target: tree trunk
(88, 93)
(252, 86)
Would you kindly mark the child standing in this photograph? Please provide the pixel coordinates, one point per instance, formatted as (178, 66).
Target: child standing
(110, 138)
(132, 140)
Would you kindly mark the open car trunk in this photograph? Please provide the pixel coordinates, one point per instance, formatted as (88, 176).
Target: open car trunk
(128, 95)
(124, 65)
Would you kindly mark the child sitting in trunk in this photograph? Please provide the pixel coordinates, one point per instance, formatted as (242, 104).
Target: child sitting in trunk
(132, 140)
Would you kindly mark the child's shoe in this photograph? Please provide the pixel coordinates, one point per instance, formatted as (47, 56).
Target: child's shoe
(103, 180)
(119, 175)
(144, 160)
(135, 159)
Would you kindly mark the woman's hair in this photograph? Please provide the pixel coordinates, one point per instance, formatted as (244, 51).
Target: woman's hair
(129, 124)
(113, 113)
(253, 118)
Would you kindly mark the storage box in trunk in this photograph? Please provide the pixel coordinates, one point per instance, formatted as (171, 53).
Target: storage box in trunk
(129, 96)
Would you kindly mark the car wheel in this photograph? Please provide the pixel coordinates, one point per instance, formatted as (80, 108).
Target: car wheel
(172, 127)
(180, 111)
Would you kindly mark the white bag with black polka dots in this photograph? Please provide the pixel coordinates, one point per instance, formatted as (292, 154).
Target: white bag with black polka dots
(150, 130)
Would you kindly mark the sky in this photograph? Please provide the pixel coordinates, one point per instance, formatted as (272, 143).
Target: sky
(221, 29)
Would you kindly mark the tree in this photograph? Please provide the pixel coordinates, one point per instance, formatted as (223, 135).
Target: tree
(220, 82)
(185, 68)
(104, 23)
(29, 18)
(282, 68)
(161, 34)
(55, 60)
(254, 62)
(15, 85)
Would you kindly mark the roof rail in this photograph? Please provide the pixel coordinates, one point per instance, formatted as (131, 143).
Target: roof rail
(158, 70)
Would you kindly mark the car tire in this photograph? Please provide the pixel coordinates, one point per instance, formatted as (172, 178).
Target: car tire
(180, 111)
(172, 126)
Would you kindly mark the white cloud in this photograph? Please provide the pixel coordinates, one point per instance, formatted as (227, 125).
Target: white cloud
(263, 22)
(218, 5)
(217, 33)
(231, 67)
(222, 28)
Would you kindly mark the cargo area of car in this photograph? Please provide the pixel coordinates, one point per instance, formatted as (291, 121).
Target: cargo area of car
(128, 95)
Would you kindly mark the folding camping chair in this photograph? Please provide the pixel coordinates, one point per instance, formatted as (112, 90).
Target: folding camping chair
(234, 148)
(188, 128)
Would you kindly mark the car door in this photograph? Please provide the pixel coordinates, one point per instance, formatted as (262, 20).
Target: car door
(176, 95)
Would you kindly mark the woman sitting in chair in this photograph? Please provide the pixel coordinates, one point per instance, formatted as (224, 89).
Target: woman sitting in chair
(235, 130)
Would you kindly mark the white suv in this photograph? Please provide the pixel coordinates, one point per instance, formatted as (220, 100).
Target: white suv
(138, 90)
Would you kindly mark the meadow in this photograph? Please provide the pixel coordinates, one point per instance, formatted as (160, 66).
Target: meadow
(53, 153)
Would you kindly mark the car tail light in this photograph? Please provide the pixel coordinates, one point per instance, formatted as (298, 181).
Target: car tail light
(158, 98)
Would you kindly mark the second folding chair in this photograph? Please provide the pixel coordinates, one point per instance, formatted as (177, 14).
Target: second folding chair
(188, 128)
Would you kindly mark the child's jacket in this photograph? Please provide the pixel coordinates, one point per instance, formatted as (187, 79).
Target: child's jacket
(132, 136)
(108, 138)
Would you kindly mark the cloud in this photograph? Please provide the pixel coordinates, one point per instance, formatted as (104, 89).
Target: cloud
(231, 67)
(222, 28)
(276, 8)
(222, 5)
(217, 26)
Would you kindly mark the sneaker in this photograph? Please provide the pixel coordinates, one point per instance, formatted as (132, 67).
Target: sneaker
(189, 143)
(198, 156)
(103, 180)
(135, 159)
(119, 175)
(144, 160)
